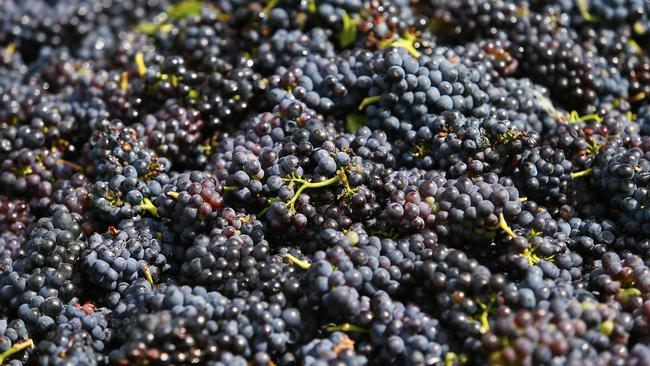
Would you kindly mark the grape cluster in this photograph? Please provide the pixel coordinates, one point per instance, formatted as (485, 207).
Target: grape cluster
(122, 255)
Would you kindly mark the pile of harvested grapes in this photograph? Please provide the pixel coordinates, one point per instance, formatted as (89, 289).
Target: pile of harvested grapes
(324, 182)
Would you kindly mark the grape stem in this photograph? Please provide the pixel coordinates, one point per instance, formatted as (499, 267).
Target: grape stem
(583, 8)
(451, 358)
(347, 327)
(485, 310)
(269, 6)
(340, 176)
(299, 262)
(574, 117)
(139, 62)
(267, 208)
(149, 207)
(147, 275)
(10, 49)
(533, 258)
(407, 42)
(349, 191)
(638, 97)
(368, 101)
(305, 185)
(582, 173)
(529, 254)
(503, 225)
(15, 349)
(124, 81)
(229, 188)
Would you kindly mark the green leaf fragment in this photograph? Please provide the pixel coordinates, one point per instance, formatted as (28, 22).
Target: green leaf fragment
(354, 121)
(149, 28)
(348, 34)
(182, 10)
(165, 28)
(185, 9)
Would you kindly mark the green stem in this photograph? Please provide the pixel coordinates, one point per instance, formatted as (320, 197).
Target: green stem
(451, 359)
(15, 349)
(591, 117)
(139, 62)
(638, 97)
(269, 6)
(349, 191)
(582, 173)
(264, 211)
(11, 49)
(124, 81)
(368, 101)
(229, 188)
(485, 310)
(583, 8)
(299, 262)
(347, 327)
(172, 194)
(574, 117)
(149, 207)
(25, 171)
(503, 225)
(147, 275)
(407, 42)
(305, 185)
(529, 254)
